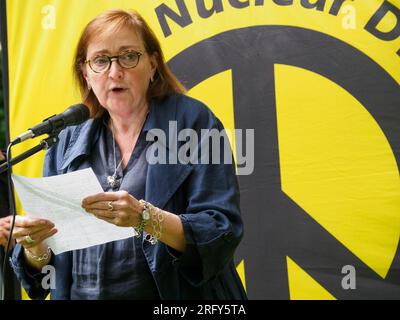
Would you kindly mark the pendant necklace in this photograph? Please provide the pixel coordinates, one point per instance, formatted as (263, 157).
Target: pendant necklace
(112, 181)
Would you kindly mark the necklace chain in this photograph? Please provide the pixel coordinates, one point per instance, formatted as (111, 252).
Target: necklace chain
(115, 156)
(112, 180)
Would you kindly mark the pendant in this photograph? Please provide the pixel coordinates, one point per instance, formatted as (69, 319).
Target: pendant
(113, 182)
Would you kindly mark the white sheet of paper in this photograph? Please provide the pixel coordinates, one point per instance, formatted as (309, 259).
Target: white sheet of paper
(58, 199)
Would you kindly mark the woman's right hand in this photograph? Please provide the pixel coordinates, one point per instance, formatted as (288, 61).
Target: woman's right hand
(5, 226)
(31, 232)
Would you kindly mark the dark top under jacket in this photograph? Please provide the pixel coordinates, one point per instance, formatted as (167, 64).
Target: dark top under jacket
(205, 196)
(115, 270)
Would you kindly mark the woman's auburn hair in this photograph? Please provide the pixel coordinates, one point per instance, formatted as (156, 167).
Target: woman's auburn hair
(164, 82)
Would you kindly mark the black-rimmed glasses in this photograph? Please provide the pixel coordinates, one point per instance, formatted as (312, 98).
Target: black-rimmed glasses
(128, 60)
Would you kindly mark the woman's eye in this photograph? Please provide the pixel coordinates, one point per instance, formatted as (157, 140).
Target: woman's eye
(129, 56)
(100, 60)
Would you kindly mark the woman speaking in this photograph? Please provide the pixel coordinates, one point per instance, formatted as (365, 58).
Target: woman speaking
(186, 215)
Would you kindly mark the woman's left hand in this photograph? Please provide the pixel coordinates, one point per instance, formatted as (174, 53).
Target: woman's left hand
(119, 208)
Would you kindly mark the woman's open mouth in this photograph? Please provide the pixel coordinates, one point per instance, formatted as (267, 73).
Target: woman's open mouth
(118, 90)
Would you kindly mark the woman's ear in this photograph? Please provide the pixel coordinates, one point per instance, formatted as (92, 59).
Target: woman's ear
(84, 70)
(153, 64)
(85, 75)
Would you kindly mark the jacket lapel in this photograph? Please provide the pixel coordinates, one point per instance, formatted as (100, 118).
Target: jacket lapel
(163, 179)
(83, 137)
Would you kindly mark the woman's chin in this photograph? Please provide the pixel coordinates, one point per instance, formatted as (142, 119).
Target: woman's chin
(118, 105)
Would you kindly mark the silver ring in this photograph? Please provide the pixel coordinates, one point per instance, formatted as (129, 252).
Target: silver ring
(110, 206)
(28, 239)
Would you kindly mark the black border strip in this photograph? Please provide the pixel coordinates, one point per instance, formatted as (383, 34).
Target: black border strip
(4, 53)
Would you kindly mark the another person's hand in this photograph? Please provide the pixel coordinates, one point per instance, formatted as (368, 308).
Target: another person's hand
(31, 232)
(119, 208)
(5, 226)
(2, 156)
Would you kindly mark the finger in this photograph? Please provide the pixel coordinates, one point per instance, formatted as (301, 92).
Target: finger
(26, 222)
(6, 219)
(103, 205)
(4, 234)
(4, 222)
(36, 239)
(43, 236)
(22, 241)
(3, 243)
(112, 221)
(37, 236)
(102, 213)
(3, 240)
(5, 226)
(22, 232)
(103, 196)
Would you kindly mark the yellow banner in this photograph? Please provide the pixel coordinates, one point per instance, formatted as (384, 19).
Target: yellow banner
(336, 161)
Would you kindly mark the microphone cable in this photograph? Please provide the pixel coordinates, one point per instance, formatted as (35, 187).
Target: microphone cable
(11, 200)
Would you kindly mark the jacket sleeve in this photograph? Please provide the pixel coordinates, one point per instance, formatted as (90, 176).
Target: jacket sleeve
(30, 279)
(212, 224)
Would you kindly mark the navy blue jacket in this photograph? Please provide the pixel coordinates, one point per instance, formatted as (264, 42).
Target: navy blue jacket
(205, 196)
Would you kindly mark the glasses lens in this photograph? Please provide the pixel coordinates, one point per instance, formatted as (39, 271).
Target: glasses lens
(99, 63)
(129, 59)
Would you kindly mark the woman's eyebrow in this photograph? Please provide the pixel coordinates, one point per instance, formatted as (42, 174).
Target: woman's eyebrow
(122, 48)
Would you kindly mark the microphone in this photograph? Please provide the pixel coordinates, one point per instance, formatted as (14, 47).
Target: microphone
(74, 115)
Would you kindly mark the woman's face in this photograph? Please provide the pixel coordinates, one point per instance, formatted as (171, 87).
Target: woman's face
(120, 90)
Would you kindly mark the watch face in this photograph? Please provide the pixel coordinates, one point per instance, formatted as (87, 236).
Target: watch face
(146, 215)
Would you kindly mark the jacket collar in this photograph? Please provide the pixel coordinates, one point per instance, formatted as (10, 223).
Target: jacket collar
(81, 141)
(84, 136)
(160, 116)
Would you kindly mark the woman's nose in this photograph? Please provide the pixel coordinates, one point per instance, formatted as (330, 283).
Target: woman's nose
(115, 71)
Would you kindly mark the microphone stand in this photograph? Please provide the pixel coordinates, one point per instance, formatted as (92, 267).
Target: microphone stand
(7, 166)
(44, 144)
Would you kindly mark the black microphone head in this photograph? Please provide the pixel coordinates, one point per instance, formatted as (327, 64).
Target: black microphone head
(76, 114)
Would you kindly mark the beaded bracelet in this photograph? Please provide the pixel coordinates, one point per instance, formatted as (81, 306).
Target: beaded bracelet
(40, 258)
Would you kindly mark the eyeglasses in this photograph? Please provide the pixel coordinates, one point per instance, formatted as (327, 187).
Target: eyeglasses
(127, 60)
